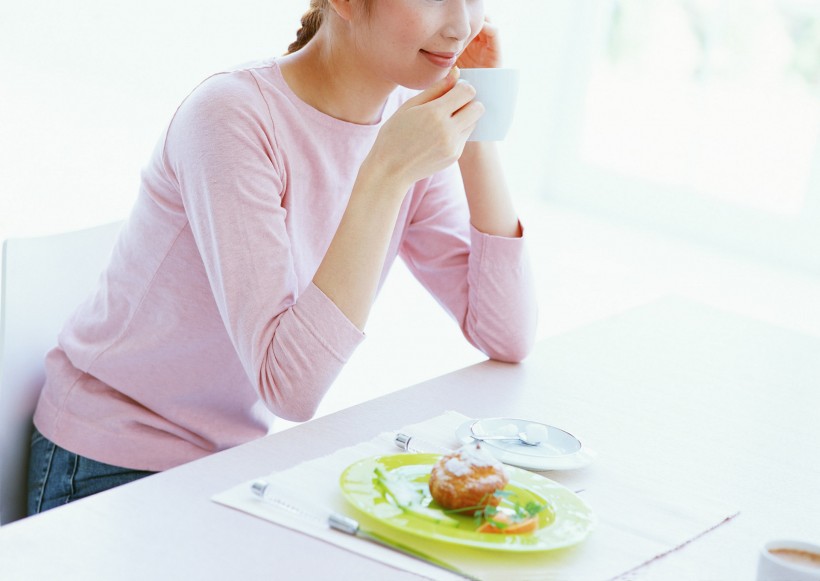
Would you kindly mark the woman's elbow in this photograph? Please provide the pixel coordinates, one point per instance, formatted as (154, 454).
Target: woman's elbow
(292, 414)
(289, 400)
(287, 407)
(510, 346)
(512, 354)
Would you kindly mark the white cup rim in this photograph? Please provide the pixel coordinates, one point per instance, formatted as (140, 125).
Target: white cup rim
(795, 544)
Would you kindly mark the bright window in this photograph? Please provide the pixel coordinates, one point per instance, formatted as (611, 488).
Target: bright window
(706, 112)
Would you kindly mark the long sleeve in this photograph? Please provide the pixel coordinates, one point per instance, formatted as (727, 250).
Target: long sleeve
(291, 339)
(485, 282)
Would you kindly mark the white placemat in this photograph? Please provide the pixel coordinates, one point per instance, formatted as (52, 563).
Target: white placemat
(636, 523)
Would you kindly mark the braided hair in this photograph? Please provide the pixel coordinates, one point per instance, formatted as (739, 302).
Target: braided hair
(311, 21)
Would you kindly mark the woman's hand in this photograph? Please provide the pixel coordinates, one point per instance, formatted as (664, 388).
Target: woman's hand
(427, 133)
(484, 52)
(491, 209)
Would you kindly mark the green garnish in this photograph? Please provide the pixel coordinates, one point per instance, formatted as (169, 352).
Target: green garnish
(487, 512)
(411, 499)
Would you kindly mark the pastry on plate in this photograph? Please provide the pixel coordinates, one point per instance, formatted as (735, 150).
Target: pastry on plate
(467, 478)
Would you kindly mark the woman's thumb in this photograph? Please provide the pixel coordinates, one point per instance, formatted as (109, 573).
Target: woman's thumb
(435, 90)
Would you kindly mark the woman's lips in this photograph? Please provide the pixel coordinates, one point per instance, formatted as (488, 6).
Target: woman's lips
(444, 60)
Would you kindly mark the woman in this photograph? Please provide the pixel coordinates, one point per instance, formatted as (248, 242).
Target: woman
(267, 219)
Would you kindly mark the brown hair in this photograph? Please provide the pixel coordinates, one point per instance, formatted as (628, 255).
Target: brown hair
(312, 20)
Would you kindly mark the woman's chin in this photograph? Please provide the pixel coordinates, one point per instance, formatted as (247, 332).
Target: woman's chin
(423, 82)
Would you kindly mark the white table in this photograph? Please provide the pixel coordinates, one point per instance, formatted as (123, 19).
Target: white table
(672, 390)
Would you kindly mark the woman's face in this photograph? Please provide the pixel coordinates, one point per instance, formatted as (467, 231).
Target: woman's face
(414, 43)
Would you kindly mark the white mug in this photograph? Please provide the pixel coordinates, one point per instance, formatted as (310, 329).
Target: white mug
(497, 90)
(789, 560)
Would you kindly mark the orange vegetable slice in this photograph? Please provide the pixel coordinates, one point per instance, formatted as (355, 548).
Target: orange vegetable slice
(513, 528)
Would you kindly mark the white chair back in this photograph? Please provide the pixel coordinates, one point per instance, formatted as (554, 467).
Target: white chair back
(43, 280)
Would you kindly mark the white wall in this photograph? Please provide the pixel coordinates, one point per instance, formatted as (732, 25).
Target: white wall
(86, 87)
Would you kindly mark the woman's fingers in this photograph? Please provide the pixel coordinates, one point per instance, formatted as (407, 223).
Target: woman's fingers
(434, 91)
(452, 100)
(485, 49)
(448, 94)
(468, 116)
(428, 132)
(460, 104)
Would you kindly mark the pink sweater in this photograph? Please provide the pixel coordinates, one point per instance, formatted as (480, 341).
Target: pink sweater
(206, 324)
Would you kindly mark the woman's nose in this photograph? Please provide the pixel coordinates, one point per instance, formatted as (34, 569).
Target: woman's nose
(458, 21)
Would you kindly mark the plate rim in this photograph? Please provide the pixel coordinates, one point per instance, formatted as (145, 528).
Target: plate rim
(583, 457)
(505, 546)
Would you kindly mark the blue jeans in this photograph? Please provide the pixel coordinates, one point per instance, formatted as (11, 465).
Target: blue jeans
(57, 476)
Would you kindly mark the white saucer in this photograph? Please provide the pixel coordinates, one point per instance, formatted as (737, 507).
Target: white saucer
(560, 451)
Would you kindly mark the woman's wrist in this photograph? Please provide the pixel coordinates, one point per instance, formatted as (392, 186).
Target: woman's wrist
(488, 197)
(476, 149)
(382, 174)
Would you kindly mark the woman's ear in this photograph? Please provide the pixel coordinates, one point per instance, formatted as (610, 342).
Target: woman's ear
(344, 8)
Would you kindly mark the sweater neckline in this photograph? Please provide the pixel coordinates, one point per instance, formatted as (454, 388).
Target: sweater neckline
(323, 118)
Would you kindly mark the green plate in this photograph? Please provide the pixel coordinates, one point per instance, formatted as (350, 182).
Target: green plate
(567, 520)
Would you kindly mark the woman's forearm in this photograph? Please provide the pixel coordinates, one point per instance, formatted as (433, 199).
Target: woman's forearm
(488, 197)
(350, 271)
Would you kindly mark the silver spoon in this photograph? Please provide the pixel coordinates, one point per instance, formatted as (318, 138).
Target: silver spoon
(532, 435)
